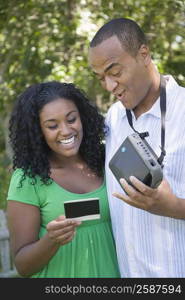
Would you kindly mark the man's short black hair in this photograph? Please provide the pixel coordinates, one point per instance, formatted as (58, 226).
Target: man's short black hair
(127, 31)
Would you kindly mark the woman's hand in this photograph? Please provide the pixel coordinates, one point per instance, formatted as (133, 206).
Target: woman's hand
(62, 230)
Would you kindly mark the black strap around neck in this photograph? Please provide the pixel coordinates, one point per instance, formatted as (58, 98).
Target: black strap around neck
(163, 113)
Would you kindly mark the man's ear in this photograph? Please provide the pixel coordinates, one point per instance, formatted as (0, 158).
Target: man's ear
(144, 53)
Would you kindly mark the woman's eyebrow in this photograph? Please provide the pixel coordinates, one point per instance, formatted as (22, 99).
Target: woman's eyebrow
(54, 120)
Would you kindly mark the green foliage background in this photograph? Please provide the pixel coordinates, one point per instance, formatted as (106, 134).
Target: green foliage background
(48, 39)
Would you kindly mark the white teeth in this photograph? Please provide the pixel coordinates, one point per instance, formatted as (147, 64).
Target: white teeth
(67, 141)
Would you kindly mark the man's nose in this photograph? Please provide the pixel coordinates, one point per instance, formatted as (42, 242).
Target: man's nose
(110, 84)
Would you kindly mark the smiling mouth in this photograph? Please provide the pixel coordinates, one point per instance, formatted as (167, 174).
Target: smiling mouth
(67, 141)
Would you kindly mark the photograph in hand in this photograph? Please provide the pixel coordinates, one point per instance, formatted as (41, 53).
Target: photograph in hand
(83, 209)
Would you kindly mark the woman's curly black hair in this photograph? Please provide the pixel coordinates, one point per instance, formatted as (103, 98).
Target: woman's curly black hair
(30, 151)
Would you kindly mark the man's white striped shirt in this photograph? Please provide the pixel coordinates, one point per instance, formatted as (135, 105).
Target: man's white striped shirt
(149, 245)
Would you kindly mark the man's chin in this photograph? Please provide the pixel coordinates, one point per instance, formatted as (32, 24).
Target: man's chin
(127, 105)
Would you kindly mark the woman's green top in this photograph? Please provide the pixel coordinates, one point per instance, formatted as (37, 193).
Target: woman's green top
(91, 254)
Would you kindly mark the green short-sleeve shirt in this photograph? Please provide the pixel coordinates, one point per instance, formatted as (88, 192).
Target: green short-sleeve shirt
(91, 254)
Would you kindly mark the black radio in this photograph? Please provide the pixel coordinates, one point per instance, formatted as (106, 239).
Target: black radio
(136, 157)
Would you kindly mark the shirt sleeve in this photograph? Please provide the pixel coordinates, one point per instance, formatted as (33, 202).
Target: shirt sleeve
(25, 193)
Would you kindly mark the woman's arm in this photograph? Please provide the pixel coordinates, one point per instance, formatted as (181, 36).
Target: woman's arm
(30, 253)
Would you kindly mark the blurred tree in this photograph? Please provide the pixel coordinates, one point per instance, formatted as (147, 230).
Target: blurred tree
(48, 39)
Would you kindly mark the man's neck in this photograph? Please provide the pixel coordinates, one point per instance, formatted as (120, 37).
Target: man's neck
(149, 100)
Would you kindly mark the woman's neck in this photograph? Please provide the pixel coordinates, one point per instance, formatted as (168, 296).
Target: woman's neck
(58, 162)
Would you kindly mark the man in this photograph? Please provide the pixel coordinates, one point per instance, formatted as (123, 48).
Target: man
(148, 224)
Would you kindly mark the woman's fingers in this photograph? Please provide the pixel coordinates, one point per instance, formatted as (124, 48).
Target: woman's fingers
(66, 238)
(62, 230)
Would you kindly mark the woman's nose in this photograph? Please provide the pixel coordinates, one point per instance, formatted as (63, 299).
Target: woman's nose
(64, 129)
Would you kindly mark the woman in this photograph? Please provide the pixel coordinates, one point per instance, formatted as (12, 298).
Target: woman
(58, 155)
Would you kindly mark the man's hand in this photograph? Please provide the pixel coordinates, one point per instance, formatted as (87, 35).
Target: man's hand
(160, 201)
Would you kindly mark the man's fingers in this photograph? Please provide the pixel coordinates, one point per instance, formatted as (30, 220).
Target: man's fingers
(127, 187)
(127, 200)
(141, 187)
(121, 196)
